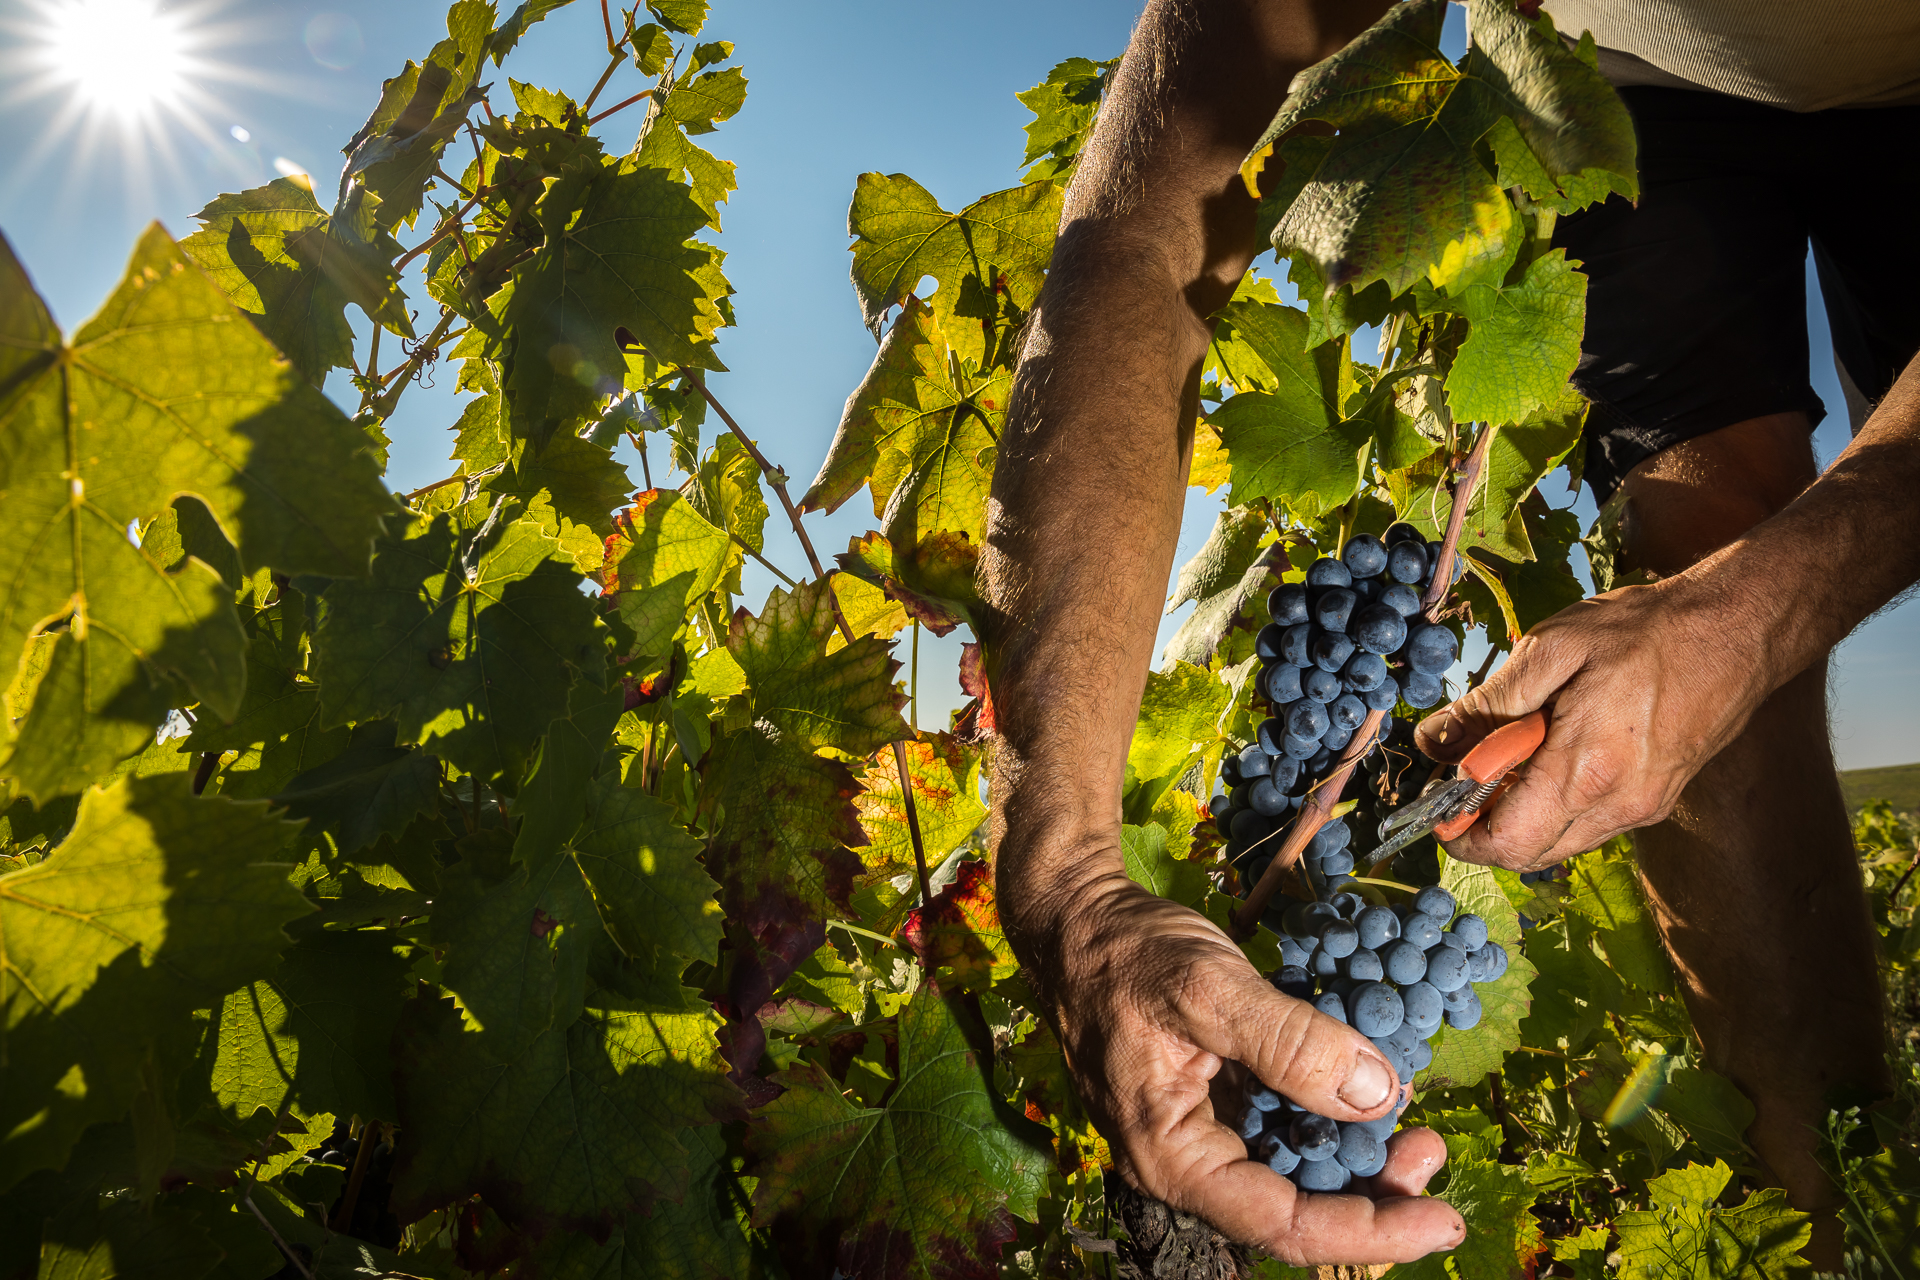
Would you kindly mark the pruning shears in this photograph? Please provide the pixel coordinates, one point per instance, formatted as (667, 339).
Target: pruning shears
(1448, 806)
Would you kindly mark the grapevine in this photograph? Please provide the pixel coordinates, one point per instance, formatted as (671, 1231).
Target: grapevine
(474, 881)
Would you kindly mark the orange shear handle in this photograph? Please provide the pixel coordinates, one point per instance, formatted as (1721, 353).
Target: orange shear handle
(1494, 760)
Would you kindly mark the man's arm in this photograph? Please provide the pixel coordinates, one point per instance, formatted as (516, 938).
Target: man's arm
(1149, 997)
(1647, 684)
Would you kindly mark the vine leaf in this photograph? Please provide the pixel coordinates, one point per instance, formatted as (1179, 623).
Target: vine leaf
(1606, 891)
(845, 700)
(1152, 866)
(645, 875)
(933, 581)
(1180, 712)
(1064, 106)
(958, 937)
(1685, 1233)
(1503, 1238)
(1000, 241)
(617, 256)
(1233, 571)
(1289, 441)
(1462, 1058)
(945, 774)
(156, 903)
(162, 393)
(315, 1031)
(371, 789)
(1523, 346)
(927, 1184)
(473, 664)
(664, 556)
(572, 1132)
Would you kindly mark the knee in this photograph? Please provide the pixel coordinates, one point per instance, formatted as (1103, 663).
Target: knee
(1689, 501)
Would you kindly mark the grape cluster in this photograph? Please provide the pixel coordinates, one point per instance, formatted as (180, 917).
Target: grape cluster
(1391, 973)
(1348, 640)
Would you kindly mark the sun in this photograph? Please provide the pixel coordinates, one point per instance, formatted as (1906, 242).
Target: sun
(127, 58)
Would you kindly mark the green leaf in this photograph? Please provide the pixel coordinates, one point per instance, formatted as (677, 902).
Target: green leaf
(933, 581)
(711, 180)
(684, 16)
(1886, 1188)
(901, 234)
(1584, 1254)
(317, 1031)
(162, 393)
(1523, 346)
(1502, 1237)
(1064, 106)
(1153, 868)
(1462, 1058)
(594, 1107)
(643, 869)
(698, 103)
(1712, 1110)
(624, 261)
(1288, 441)
(781, 823)
(468, 641)
(580, 479)
(1238, 565)
(156, 903)
(120, 1240)
(1180, 712)
(945, 774)
(845, 700)
(927, 1184)
(1606, 891)
(370, 790)
(698, 1238)
(394, 154)
(502, 39)
(665, 556)
(1685, 1234)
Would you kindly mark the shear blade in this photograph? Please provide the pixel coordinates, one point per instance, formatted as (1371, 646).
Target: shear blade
(1408, 824)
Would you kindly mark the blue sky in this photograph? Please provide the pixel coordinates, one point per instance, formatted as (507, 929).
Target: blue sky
(838, 87)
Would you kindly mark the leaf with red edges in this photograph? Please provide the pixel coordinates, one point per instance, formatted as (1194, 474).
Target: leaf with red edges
(934, 582)
(958, 936)
(925, 1185)
(945, 774)
(973, 682)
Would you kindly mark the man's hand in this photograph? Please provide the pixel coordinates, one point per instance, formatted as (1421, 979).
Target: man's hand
(1151, 1000)
(1644, 686)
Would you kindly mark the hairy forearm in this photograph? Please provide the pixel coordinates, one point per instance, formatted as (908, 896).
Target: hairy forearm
(1089, 488)
(1838, 553)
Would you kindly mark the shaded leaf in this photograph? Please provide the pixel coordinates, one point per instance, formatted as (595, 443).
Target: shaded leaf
(1151, 866)
(845, 700)
(644, 872)
(958, 938)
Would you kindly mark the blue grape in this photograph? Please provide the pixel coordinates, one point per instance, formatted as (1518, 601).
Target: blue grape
(1378, 926)
(1383, 695)
(1266, 799)
(1423, 1007)
(1293, 644)
(1287, 604)
(1471, 930)
(1340, 939)
(1317, 763)
(1402, 599)
(1422, 1056)
(1339, 884)
(1294, 980)
(1348, 904)
(1364, 555)
(1421, 930)
(1378, 628)
(1339, 862)
(1400, 531)
(1363, 671)
(1347, 712)
(1293, 951)
(1374, 1009)
(1330, 650)
(1396, 1058)
(1250, 826)
(1325, 1176)
(1457, 998)
(1333, 608)
(1328, 572)
(1421, 690)
(1381, 1127)
(1406, 962)
(1299, 747)
(1433, 562)
(1322, 686)
(1267, 643)
(1448, 939)
(1366, 588)
(1336, 739)
(1330, 1004)
(1252, 1123)
(1322, 964)
(1283, 683)
(1407, 562)
(1435, 902)
(1253, 761)
(1431, 648)
(1258, 867)
(1333, 836)
(1465, 1019)
(1223, 817)
(1405, 1039)
(1306, 719)
(1446, 969)
(1285, 772)
(1362, 1154)
(1495, 962)
(1260, 1097)
(1362, 966)
(1280, 1157)
(1315, 1137)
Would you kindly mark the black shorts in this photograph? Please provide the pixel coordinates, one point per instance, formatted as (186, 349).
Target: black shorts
(1696, 298)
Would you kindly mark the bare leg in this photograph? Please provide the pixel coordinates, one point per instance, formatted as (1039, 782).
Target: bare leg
(1754, 878)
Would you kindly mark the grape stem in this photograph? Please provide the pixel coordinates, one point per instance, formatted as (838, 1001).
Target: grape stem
(1321, 801)
(768, 470)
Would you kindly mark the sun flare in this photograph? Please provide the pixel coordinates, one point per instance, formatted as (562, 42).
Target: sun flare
(125, 57)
